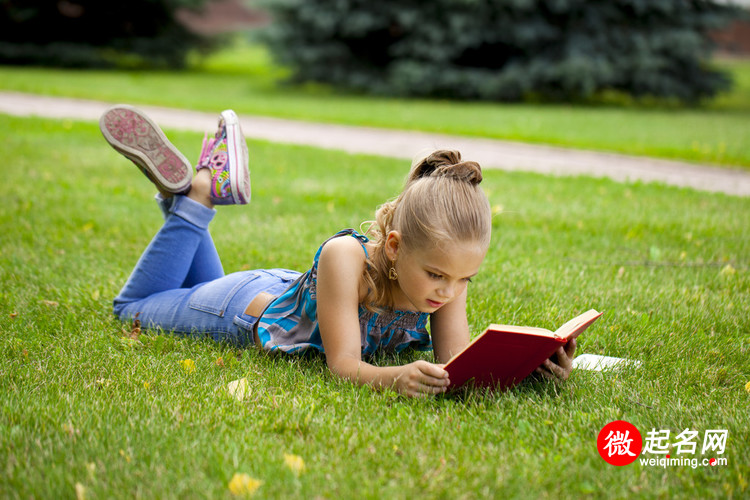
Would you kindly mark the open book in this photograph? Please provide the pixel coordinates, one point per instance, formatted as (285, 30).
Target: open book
(504, 355)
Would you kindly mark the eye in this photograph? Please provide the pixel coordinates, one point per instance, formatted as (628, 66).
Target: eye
(467, 280)
(434, 276)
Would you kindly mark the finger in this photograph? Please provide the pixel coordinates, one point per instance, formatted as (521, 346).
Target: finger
(556, 370)
(570, 348)
(432, 389)
(432, 370)
(434, 382)
(563, 360)
(544, 373)
(422, 391)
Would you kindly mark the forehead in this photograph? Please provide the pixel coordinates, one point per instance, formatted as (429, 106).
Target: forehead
(459, 259)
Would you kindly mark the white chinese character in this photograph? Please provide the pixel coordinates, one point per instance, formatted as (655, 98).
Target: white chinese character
(715, 440)
(653, 442)
(618, 443)
(686, 438)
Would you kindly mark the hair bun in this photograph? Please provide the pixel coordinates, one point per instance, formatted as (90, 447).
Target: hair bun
(447, 163)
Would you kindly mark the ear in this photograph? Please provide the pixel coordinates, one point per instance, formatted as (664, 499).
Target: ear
(392, 245)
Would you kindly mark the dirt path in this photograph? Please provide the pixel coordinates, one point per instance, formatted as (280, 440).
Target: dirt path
(406, 144)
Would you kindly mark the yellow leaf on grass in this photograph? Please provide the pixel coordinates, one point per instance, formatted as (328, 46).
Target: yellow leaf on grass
(80, 491)
(747, 387)
(243, 485)
(188, 365)
(295, 463)
(728, 270)
(238, 389)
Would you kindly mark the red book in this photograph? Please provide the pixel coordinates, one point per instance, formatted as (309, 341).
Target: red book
(504, 355)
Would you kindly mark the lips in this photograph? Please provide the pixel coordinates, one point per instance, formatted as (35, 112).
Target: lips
(434, 304)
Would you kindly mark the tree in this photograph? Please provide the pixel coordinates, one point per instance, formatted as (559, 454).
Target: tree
(96, 33)
(502, 49)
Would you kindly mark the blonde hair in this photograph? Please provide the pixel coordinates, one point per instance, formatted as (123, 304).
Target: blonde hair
(441, 202)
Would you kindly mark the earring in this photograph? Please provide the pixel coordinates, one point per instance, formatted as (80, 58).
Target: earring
(392, 274)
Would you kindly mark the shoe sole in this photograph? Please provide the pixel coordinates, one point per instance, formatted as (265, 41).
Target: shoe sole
(139, 139)
(239, 173)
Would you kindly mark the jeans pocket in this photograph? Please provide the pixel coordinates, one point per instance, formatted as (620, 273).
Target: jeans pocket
(245, 321)
(214, 297)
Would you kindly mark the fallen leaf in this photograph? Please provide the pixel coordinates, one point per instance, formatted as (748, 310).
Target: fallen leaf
(135, 330)
(188, 365)
(50, 303)
(80, 491)
(243, 485)
(220, 362)
(728, 270)
(238, 389)
(295, 463)
(13, 314)
(747, 387)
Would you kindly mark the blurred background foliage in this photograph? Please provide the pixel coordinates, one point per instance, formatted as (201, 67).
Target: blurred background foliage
(506, 50)
(498, 50)
(98, 33)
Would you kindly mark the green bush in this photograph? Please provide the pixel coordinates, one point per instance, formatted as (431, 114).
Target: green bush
(502, 50)
(96, 33)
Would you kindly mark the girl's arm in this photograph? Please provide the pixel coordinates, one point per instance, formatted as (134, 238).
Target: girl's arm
(449, 329)
(340, 269)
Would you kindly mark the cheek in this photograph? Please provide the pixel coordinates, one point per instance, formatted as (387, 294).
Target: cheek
(422, 283)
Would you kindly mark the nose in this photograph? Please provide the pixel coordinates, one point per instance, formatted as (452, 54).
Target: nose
(447, 291)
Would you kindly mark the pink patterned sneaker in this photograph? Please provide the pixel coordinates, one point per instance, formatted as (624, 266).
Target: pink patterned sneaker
(139, 139)
(225, 155)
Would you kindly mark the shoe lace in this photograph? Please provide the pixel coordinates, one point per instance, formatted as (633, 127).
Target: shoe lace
(209, 144)
(206, 150)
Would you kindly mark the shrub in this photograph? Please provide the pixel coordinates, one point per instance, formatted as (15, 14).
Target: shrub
(502, 50)
(96, 33)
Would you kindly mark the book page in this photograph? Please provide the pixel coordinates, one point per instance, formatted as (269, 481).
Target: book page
(528, 330)
(572, 328)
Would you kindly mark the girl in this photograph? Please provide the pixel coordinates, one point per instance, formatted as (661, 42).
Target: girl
(362, 295)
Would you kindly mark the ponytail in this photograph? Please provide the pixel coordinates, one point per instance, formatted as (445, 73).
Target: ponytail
(441, 202)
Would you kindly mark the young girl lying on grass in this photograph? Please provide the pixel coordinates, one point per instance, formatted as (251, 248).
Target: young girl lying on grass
(364, 293)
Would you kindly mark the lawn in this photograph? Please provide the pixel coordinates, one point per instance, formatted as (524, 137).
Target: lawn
(243, 77)
(86, 410)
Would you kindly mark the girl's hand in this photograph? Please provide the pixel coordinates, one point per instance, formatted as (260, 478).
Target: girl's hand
(561, 368)
(421, 378)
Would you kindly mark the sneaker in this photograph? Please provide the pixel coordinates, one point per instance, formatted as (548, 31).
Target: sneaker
(139, 139)
(225, 155)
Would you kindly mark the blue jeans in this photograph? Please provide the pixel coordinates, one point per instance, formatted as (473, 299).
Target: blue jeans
(179, 285)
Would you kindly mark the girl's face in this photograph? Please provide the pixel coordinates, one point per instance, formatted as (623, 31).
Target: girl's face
(429, 279)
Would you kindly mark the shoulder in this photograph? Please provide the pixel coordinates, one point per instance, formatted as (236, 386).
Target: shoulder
(344, 250)
(340, 268)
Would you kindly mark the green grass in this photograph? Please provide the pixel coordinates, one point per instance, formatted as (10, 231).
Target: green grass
(243, 78)
(83, 404)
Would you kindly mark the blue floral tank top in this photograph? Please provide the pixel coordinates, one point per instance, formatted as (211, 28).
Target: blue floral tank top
(290, 322)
